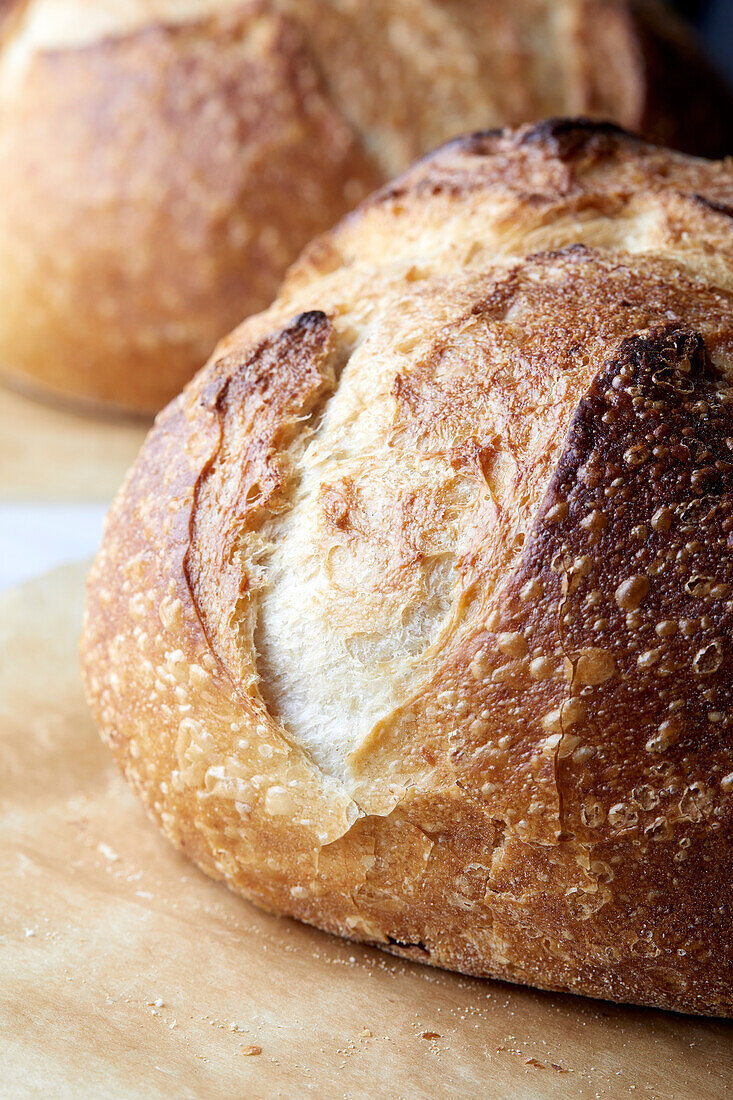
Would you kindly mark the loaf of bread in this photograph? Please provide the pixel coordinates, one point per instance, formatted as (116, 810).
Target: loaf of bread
(414, 618)
(163, 161)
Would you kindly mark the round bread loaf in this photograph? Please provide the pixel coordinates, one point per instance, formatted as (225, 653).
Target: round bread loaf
(163, 161)
(413, 619)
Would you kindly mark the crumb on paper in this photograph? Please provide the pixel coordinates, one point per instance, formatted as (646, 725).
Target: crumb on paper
(107, 852)
(431, 1035)
(251, 1051)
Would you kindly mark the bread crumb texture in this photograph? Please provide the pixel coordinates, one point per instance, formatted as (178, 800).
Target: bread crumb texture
(162, 162)
(413, 619)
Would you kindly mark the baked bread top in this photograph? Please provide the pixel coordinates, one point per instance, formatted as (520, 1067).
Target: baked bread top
(413, 618)
(163, 161)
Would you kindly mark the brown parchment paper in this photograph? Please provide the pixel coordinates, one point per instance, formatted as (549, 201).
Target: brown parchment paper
(52, 453)
(124, 973)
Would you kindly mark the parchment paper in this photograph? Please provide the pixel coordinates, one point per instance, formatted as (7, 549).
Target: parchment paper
(125, 973)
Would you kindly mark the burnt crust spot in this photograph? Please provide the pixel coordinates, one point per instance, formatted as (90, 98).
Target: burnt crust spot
(564, 138)
(569, 138)
(566, 141)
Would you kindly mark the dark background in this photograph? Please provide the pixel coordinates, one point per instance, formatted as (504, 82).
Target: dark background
(715, 21)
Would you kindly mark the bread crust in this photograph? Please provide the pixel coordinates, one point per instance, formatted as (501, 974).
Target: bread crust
(550, 801)
(161, 165)
(148, 185)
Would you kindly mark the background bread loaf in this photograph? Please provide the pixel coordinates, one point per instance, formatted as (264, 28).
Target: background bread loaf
(163, 161)
(413, 619)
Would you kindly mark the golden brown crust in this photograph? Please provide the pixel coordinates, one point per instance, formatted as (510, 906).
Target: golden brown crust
(630, 552)
(117, 280)
(159, 171)
(547, 798)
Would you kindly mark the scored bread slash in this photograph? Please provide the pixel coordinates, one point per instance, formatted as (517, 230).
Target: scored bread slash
(413, 619)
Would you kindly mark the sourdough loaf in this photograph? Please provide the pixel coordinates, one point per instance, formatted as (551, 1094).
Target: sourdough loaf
(413, 619)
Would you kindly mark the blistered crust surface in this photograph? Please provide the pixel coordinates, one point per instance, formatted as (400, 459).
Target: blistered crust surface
(544, 793)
